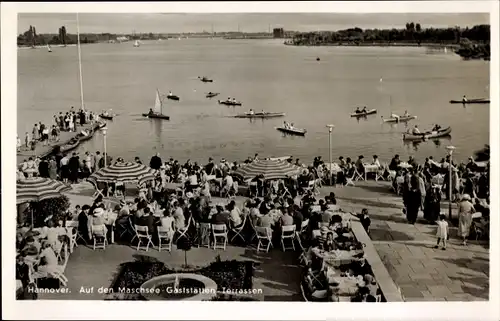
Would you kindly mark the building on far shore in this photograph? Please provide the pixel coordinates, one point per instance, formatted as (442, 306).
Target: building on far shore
(278, 33)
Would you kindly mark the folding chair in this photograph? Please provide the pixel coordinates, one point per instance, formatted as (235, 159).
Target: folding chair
(165, 233)
(358, 176)
(299, 234)
(264, 236)
(75, 234)
(351, 178)
(128, 228)
(230, 192)
(142, 232)
(254, 231)
(253, 191)
(98, 192)
(183, 231)
(392, 174)
(478, 230)
(99, 236)
(219, 231)
(379, 174)
(238, 230)
(287, 233)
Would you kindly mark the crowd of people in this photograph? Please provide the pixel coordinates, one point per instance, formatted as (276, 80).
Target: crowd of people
(45, 134)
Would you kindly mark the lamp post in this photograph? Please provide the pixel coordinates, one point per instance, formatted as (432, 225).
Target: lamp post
(104, 132)
(450, 173)
(330, 129)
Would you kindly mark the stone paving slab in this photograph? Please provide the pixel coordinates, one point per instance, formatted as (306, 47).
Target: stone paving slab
(460, 273)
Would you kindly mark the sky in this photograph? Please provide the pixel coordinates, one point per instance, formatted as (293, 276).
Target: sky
(121, 23)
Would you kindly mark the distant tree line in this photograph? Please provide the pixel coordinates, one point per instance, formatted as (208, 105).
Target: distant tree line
(472, 41)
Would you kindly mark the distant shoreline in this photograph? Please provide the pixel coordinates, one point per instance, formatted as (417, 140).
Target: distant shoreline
(377, 44)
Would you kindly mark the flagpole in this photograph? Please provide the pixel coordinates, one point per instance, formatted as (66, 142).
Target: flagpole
(79, 60)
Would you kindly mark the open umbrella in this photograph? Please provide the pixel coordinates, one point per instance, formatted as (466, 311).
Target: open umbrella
(124, 172)
(38, 189)
(270, 169)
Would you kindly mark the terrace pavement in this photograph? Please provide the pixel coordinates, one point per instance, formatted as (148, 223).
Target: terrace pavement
(421, 272)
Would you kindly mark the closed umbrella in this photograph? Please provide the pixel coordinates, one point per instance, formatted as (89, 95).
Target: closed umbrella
(270, 169)
(123, 172)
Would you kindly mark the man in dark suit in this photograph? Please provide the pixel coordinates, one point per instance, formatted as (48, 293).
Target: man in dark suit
(220, 217)
(155, 162)
(74, 166)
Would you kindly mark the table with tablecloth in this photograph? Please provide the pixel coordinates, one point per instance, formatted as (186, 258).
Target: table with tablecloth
(344, 286)
(335, 258)
(372, 168)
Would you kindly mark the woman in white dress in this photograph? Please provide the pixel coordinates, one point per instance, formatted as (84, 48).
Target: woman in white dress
(465, 211)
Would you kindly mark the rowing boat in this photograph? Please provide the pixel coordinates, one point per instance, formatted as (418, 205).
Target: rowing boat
(206, 80)
(173, 97)
(159, 116)
(230, 103)
(260, 115)
(72, 144)
(471, 101)
(210, 95)
(292, 131)
(368, 112)
(108, 117)
(428, 134)
(101, 125)
(401, 119)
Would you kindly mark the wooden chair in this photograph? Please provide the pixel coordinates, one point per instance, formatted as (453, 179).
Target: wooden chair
(165, 233)
(219, 231)
(99, 236)
(142, 233)
(75, 234)
(264, 236)
(238, 230)
(288, 233)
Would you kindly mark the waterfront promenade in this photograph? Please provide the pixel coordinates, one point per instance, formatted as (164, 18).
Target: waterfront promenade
(421, 272)
(42, 150)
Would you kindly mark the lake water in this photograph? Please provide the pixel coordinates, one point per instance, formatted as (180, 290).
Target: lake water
(263, 74)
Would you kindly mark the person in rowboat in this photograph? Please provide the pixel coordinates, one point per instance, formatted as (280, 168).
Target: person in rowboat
(251, 112)
(263, 112)
(364, 110)
(436, 128)
(150, 111)
(464, 99)
(357, 110)
(395, 117)
(416, 131)
(233, 100)
(291, 126)
(406, 114)
(170, 94)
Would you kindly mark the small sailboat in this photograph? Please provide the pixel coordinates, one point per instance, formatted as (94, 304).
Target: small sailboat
(136, 43)
(157, 111)
(49, 49)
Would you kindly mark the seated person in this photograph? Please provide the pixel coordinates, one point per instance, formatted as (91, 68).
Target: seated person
(221, 217)
(48, 259)
(286, 219)
(357, 110)
(364, 110)
(234, 214)
(375, 161)
(359, 164)
(394, 164)
(265, 221)
(329, 244)
(415, 130)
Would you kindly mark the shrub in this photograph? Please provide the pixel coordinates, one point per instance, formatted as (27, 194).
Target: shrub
(56, 207)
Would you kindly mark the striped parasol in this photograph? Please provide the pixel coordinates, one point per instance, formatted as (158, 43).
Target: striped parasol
(124, 172)
(38, 189)
(271, 169)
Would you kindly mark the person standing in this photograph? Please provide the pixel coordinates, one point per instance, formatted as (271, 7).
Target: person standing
(442, 231)
(413, 200)
(74, 165)
(465, 211)
(432, 204)
(53, 168)
(97, 160)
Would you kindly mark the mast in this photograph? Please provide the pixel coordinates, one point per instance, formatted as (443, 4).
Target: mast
(79, 60)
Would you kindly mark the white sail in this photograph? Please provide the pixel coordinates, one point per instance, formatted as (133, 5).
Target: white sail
(158, 105)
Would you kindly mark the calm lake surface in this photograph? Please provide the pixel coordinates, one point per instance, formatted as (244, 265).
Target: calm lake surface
(264, 75)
